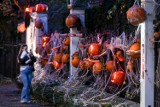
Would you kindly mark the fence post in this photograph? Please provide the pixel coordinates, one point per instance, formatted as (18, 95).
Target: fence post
(33, 34)
(74, 40)
(147, 56)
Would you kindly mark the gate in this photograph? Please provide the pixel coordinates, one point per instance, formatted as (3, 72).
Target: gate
(8, 60)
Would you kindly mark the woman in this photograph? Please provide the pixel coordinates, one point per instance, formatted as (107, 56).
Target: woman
(26, 61)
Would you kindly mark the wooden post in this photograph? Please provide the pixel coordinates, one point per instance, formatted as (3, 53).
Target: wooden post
(147, 56)
(33, 34)
(74, 40)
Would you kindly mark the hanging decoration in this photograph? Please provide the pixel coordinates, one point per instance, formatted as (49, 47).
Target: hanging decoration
(136, 15)
(21, 27)
(41, 8)
(72, 21)
(38, 24)
(30, 9)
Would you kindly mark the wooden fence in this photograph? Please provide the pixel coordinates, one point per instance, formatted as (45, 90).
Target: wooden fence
(8, 60)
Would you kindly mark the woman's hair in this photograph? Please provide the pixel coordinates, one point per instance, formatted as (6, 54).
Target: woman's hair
(20, 51)
(22, 46)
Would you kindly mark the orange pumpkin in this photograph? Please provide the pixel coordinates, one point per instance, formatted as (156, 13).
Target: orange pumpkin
(82, 65)
(38, 24)
(76, 54)
(110, 65)
(63, 48)
(45, 40)
(57, 65)
(30, 9)
(58, 57)
(130, 66)
(75, 61)
(66, 41)
(85, 64)
(21, 27)
(47, 48)
(94, 49)
(156, 34)
(119, 55)
(41, 7)
(135, 47)
(44, 61)
(118, 77)
(71, 21)
(97, 67)
(88, 64)
(65, 58)
(121, 59)
(136, 15)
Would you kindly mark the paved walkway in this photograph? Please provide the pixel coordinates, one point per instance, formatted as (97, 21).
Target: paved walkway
(10, 96)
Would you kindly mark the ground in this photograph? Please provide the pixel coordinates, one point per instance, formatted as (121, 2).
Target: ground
(10, 96)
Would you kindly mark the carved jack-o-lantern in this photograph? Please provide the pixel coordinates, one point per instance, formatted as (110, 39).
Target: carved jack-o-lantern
(136, 15)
